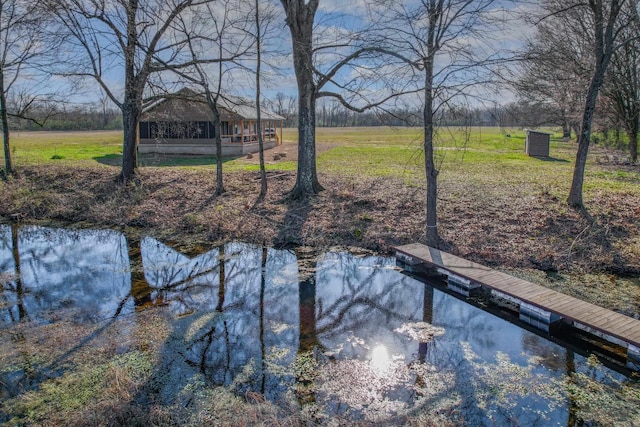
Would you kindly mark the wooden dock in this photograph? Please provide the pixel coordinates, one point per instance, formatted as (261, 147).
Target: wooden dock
(607, 322)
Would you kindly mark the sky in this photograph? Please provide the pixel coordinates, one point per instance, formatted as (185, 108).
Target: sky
(335, 20)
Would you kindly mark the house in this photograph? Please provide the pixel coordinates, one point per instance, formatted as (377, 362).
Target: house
(182, 123)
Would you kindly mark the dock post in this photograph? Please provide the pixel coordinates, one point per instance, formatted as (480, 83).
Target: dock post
(633, 357)
(416, 265)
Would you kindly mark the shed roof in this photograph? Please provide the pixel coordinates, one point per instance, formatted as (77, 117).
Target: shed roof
(539, 131)
(188, 105)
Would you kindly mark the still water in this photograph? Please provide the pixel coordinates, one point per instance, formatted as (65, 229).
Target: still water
(350, 335)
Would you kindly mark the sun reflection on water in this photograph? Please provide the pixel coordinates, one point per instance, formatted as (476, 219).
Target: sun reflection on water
(380, 359)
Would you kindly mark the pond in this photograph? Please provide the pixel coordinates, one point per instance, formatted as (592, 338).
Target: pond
(336, 338)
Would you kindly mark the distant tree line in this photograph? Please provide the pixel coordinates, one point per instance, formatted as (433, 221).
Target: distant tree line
(517, 114)
(522, 114)
(71, 118)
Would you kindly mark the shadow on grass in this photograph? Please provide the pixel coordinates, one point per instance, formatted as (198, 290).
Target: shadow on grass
(163, 160)
(291, 233)
(551, 159)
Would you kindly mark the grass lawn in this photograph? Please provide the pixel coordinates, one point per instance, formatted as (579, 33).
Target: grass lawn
(41, 147)
(487, 161)
(482, 156)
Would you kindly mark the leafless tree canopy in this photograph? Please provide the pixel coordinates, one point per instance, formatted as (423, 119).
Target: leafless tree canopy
(621, 97)
(597, 28)
(444, 42)
(22, 93)
(131, 39)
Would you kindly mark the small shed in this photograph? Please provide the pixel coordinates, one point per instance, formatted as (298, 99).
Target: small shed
(537, 143)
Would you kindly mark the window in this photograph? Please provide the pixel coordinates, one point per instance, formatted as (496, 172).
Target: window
(144, 130)
(177, 130)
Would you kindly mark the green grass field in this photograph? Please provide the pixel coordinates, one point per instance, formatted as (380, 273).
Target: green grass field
(481, 156)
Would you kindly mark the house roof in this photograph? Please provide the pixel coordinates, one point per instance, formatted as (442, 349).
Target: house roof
(188, 105)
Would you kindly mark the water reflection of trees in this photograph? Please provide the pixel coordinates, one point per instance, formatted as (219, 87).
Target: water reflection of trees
(12, 291)
(54, 270)
(52, 275)
(244, 303)
(361, 301)
(186, 284)
(359, 304)
(253, 319)
(488, 353)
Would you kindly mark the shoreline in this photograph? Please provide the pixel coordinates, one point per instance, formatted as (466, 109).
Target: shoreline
(536, 237)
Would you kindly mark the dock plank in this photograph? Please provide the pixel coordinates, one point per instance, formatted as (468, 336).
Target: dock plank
(562, 304)
(606, 321)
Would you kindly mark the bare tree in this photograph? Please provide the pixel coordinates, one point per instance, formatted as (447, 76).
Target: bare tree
(218, 34)
(435, 36)
(318, 62)
(264, 16)
(554, 71)
(600, 22)
(284, 106)
(300, 17)
(130, 40)
(20, 44)
(622, 89)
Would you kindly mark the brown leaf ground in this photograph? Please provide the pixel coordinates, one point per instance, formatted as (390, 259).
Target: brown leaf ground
(498, 228)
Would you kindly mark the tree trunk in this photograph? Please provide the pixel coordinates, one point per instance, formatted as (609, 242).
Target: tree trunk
(307, 297)
(575, 193)
(263, 173)
(433, 239)
(576, 130)
(221, 279)
(307, 183)
(141, 290)
(300, 17)
(574, 419)
(132, 103)
(633, 145)
(8, 165)
(604, 40)
(308, 339)
(427, 317)
(22, 311)
(566, 130)
(263, 352)
(431, 172)
(217, 125)
(130, 116)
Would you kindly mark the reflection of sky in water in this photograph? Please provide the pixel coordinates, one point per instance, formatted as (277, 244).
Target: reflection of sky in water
(361, 301)
(86, 272)
(186, 283)
(365, 298)
(7, 275)
(363, 307)
(228, 344)
(239, 307)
